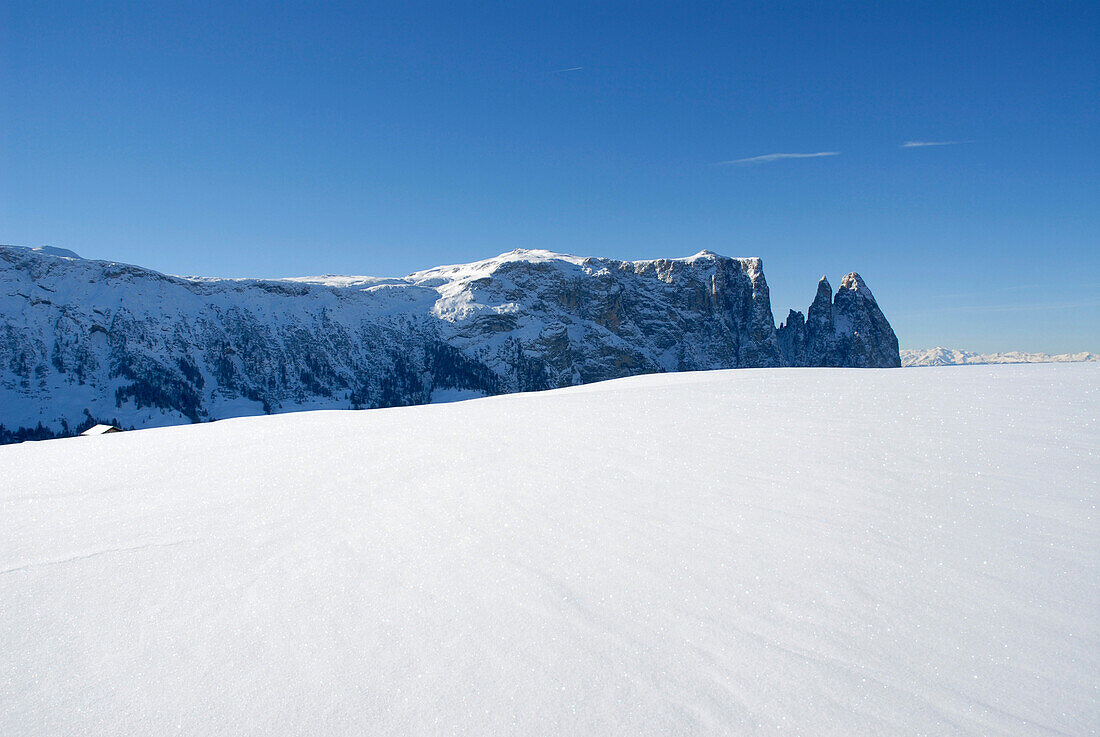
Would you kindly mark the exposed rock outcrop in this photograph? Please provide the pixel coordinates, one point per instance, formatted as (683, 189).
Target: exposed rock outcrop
(847, 329)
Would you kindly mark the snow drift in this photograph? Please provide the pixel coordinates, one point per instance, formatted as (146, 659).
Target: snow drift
(798, 551)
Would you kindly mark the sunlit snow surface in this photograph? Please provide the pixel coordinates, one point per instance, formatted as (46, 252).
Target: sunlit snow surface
(777, 551)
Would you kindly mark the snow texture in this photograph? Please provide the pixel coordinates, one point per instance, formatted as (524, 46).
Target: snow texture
(753, 552)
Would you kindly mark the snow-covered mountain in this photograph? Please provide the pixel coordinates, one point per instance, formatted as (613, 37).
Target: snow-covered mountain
(952, 357)
(85, 341)
(755, 552)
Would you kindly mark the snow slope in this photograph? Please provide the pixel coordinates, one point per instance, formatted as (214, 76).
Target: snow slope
(751, 552)
(952, 357)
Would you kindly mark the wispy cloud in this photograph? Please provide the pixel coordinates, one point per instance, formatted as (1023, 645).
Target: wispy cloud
(919, 144)
(568, 69)
(766, 158)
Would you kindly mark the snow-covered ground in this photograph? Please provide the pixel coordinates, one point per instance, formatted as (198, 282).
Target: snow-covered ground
(774, 551)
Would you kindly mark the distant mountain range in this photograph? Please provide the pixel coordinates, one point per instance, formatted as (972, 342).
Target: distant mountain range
(951, 357)
(84, 342)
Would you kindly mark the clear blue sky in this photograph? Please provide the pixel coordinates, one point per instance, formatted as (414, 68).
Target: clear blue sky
(289, 139)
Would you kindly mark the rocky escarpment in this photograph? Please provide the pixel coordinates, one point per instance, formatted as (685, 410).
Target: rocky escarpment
(847, 329)
(86, 341)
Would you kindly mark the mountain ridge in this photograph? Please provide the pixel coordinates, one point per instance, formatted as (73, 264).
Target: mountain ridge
(940, 356)
(85, 341)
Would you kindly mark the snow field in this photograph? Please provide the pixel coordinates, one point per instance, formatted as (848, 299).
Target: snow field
(749, 552)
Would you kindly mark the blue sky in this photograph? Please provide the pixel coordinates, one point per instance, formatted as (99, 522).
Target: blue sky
(288, 139)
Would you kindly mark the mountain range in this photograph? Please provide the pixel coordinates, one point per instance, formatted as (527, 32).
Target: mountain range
(953, 357)
(85, 341)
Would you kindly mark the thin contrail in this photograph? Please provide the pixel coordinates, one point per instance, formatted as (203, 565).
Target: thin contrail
(919, 144)
(776, 157)
(570, 69)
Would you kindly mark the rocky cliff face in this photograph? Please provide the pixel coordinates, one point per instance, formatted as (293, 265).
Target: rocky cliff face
(93, 341)
(846, 330)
